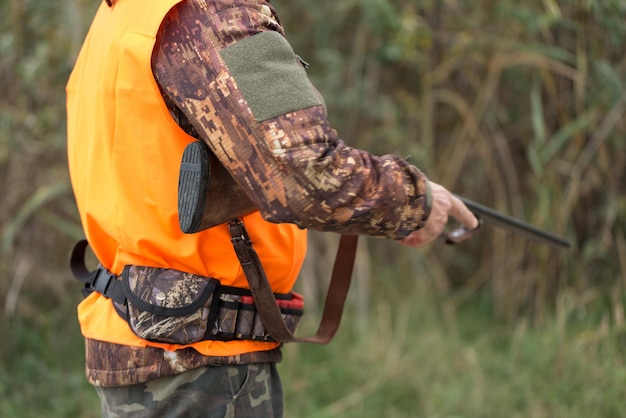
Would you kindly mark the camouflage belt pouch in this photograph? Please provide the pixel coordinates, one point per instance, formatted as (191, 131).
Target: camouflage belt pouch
(167, 305)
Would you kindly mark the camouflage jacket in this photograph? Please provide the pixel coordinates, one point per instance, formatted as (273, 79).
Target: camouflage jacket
(225, 66)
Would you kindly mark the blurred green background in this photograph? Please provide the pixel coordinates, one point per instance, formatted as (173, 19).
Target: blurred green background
(517, 105)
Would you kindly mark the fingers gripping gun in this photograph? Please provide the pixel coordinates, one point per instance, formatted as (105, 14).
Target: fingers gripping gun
(487, 215)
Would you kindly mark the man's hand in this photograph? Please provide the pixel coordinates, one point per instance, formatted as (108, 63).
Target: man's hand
(444, 204)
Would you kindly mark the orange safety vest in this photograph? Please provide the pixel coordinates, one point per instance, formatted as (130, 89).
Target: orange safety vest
(124, 152)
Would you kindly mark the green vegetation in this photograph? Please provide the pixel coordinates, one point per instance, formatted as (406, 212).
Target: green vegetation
(414, 363)
(518, 105)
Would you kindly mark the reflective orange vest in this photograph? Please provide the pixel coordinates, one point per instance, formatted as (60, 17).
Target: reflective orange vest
(124, 152)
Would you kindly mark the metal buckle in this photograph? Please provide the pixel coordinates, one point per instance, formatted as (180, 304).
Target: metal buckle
(238, 231)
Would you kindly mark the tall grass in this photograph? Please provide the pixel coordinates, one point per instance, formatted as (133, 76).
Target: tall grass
(517, 105)
(42, 361)
(421, 358)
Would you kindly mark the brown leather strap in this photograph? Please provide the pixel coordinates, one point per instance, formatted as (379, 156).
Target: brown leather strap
(264, 297)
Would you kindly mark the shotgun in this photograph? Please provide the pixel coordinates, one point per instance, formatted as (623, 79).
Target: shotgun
(203, 180)
(490, 216)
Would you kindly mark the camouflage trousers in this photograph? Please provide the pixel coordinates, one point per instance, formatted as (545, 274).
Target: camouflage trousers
(227, 391)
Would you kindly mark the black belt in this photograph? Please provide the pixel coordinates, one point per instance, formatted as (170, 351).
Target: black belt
(233, 311)
(108, 284)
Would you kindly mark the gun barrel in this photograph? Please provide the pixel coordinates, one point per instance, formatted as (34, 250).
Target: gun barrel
(496, 218)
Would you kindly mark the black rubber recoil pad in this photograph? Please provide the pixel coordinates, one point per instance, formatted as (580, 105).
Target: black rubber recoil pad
(193, 186)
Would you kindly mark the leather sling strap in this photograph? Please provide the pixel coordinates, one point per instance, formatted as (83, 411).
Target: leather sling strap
(264, 297)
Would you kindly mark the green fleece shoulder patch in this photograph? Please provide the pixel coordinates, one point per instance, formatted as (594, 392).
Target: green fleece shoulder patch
(269, 76)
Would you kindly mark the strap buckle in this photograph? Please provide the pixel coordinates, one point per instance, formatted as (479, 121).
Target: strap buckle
(238, 232)
(101, 280)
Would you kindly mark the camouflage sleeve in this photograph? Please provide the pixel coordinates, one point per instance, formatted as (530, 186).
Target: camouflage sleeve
(229, 69)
